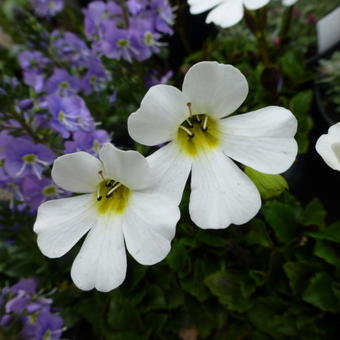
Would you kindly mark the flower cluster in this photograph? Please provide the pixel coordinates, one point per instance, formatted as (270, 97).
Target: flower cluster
(129, 30)
(47, 8)
(21, 304)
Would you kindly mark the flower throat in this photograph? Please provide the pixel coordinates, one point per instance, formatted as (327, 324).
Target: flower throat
(112, 197)
(198, 133)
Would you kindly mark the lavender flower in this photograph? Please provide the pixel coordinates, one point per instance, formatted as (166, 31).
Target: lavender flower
(22, 303)
(37, 191)
(131, 32)
(69, 114)
(62, 83)
(47, 8)
(154, 78)
(90, 142)
(23, 157)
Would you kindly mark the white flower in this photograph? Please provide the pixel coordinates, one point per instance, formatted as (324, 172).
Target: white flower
(202, 142)
(226, 13)
(115, 207)
(328, 146)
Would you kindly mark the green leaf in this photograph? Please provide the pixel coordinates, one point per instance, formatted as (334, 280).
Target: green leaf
(195, 285)
(299, 274)
(283, 220)
(178, 259)
(314, 214)
(234, 289)
(320, 294)
(257, 234)
(301, 103)
(327, 252)
(331, 233)
(208, 238)
(269, 186)
(154, 299)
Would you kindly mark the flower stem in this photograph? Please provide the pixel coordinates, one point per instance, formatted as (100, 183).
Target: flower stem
(257, 24)
(286, 24)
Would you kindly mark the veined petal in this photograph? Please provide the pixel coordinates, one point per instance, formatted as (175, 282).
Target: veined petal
(149, 226)
(263, 139)
(101, 262)
(127, 167)
(255, 4)
(221, 193)
(61, 223)
(328, 146)
(200, 6)
(215, 89)
(161, 112)
(228, 14)
(77, 172)
(170, 171)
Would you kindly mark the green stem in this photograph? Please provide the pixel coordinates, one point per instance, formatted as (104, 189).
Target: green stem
(257, 24)
(261, 36)
(286, 24)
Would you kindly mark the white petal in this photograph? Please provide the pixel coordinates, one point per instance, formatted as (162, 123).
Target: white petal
(149, 226)
(215, 89)
(288, 2)
(162, 110)
(170, 169)
(77, 172)
(255, 4)
(101, 262)
(200, 6)
(227, 14)
(61, 223)
(328, 146)
(127, 167)
(263, 139)
(221, 193)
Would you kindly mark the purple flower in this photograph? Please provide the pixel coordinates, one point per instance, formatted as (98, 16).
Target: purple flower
(35, 79)
(96, 76)
(21, 303)
(69, 48)
(62, 83)
(47, 8)
(37, 191)
(24, 157)
(27, 285)
(49, 326)
(118, 43)
(163, 16)
(87, 141)
(136, 6)
(69, 114)
(133, 35)
(154, 78)
(97, 14)
(5, 141)
(33, 60)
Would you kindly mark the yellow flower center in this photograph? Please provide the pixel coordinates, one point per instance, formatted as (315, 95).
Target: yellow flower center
(112, 197)
(198, 133)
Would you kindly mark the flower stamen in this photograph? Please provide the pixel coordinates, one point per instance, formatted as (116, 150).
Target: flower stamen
(205, 123)
(191, 134)
(109, 193)
(99, 196)
(189, 123)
